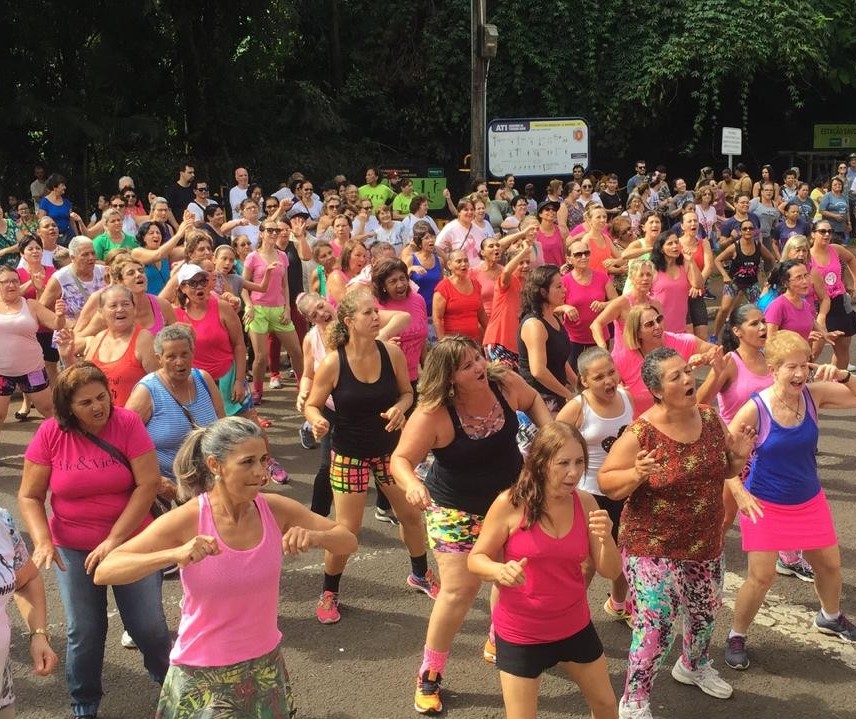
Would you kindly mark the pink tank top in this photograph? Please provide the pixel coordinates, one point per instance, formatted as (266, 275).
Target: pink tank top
(673, 296)
(213, 351)
(231, 599)
(745, 384)
(831, 274)
(122, 374)
(157, 325)
(551, 604)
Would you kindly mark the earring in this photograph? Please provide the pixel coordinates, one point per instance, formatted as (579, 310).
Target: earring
(451, 391)
(217, 478)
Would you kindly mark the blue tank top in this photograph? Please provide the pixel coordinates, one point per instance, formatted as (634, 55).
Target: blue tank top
(428, 281)
(157, 275)
(168, 426)
(784, 469)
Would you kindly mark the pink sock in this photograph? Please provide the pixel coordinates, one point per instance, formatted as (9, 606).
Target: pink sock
(433, 661)
(258, 386)
(491, 634)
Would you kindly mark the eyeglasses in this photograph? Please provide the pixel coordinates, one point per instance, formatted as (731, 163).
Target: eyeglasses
(11, 281)
(196, 284)
(308, 189)
(130, 196)
(823, 231)
(658, 320)
(117, 205)
(272, 230)
(583, 253)
(586, 187)
(271, 207)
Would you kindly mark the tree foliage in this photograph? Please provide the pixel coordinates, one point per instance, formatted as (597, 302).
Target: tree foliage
(99, 90)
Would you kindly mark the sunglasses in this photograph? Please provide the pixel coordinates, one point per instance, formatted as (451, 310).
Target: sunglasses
(117, 206)
(130, 197)
(196, 284)
(202, 189)
(658, 320)
(824, 231)
(750, 228)
(586, 187)
(583, 253)
(272, 230)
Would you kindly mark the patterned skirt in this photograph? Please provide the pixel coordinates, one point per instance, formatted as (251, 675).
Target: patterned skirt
(254, 689)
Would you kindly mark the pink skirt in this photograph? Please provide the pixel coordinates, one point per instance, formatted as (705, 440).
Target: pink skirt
(790, 527)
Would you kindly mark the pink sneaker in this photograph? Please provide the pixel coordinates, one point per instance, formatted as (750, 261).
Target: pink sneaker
(327, 610)
(428, 584)
(278, 475)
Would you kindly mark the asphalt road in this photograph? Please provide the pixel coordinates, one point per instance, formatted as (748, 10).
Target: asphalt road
(366, 665)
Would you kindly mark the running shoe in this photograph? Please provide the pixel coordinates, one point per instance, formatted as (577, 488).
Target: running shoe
(386, 515)
(705, 678)
(275, 382)
(427, 699)
(634, 710)
(800, 569)
(621, 615)
(277, 473)
(840, 627)
(127, 641)
(489, 652)
(327, 611)
(427, 584)
(736, 655)
(307, 439)
(257, 399)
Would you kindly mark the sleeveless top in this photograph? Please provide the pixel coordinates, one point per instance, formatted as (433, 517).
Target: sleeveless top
(319, 352)
(157, 275)
(744, 268)
(359, 429)
(122, 374)
(831, 274)
(22, 353)
(169, 426)
(600, 434)
(558, 350)
(428, 281)
(468, 474)
(784, 468)
(745, 384)
(216, 627)
(551, 604)
(158, 324)
(673, 296)
(678, 513)
(213, 351)
(553, 246)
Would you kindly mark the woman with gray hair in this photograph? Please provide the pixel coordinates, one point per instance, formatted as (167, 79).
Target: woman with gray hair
(174, 400)
(226, 529)
(671, 463)
(74, 283)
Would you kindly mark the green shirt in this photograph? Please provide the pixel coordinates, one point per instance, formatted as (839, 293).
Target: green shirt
(379, 194)
(401, 204)
(103, 244)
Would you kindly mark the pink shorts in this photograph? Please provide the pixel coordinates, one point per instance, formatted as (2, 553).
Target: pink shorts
(790, 527)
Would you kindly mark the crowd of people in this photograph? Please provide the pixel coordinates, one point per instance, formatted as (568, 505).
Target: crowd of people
(520, 382)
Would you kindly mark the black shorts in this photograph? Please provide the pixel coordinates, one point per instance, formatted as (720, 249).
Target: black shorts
(576, 350)
(696, 312)
(613, 508)
(45, 340)
(531, 660)
(838, 319)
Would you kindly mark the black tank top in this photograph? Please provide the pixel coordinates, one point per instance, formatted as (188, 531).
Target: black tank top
(468, 474)
(359, 429)
(558, 351)
(744, 268)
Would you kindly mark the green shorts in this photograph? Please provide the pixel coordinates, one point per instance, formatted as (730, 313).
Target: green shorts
(269, 319)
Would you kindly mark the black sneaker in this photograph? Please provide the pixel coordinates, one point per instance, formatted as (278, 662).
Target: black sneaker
(736, 655)
(307, 439)
(386, 515)
(840, 627)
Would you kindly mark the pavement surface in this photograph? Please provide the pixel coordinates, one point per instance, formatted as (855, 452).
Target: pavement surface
(365, 666)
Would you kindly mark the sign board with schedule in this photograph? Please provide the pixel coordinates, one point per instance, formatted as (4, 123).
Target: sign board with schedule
(540, 146)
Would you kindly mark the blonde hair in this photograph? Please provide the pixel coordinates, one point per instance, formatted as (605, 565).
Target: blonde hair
(435, 379)
(782, 344)
(338, 333)
(634, 324)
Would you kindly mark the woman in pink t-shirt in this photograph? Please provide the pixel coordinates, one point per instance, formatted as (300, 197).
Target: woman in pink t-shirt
(532, 545)
(226, 529)
(99, 465)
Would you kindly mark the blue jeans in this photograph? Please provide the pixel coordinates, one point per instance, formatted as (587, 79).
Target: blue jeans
(141, 608)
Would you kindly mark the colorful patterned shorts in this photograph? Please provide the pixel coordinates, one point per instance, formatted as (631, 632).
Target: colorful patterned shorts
(452, 530)
(503, 355)
(254, 689)
(349, 475)
(752, 292)
(29, 383)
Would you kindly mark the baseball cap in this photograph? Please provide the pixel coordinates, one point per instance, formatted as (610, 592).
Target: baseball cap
(188, 272)
(548, 203)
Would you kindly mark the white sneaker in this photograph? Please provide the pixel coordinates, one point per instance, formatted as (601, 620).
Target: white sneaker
(634, 710)
(705, 678)
(127, 642)
(275, 383)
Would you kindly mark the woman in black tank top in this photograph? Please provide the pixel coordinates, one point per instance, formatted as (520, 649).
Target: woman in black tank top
(467, 416)
(370, 386)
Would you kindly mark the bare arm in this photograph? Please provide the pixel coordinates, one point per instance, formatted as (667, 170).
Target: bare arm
(534, 336)
(610, 313)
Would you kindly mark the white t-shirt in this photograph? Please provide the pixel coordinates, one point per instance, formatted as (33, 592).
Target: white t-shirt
(251, 231)
(198, 209)
(236, 196)
(454, 236)
(407, 226)
(13, 556)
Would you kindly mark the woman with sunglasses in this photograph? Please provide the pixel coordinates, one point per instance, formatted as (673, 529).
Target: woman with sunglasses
(307, 203)
(829, 260)
(740, 280)
(519, 209)
(588, 292)
(332, 209)
(643, 333)
(587, 193)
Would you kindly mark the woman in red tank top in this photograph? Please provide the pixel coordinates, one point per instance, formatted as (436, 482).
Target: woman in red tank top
(532, 544)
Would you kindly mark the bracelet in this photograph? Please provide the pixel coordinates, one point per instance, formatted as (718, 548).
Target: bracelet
(846, 379)
(39, 631)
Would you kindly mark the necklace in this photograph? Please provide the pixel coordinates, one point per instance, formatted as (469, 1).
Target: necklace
(480, 426)
(795, 410)
(173, 391)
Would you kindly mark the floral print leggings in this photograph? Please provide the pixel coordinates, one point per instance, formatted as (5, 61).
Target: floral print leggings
(661, 592)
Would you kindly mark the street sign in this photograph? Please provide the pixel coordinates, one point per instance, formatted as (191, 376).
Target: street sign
(732, 141)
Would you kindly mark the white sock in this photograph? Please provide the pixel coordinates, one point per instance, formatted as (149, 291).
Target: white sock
(733, 634)
(830, 617)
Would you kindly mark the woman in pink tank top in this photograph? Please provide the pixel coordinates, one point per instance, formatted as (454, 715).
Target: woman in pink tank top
(226, 530)
(532, 545)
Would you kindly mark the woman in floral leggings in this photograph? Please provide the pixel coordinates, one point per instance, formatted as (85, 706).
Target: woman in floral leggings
(671, 464)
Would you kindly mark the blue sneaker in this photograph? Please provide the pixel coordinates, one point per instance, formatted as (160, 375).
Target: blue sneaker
(840, 627)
